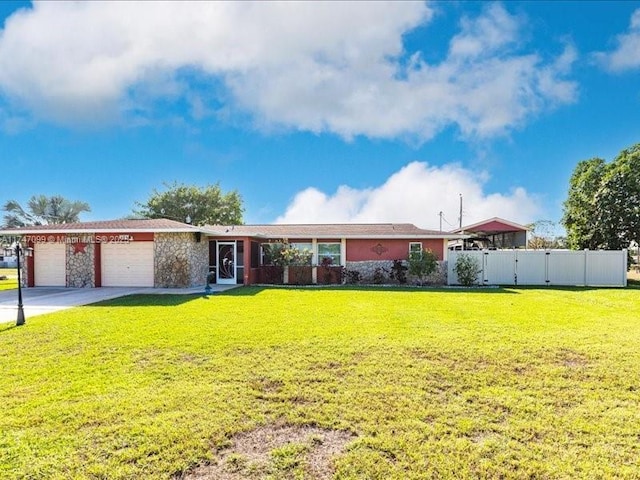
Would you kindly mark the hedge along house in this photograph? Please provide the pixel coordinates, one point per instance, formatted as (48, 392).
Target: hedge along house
(120, 253)
(238, 253)
(165, 253)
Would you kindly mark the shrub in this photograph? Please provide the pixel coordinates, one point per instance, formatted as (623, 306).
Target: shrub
(467, 269)
(422, 264)
(379, 276)
(399, 271)
(351, 276)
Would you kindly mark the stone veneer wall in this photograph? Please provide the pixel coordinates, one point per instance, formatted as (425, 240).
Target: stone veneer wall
(24, 272)
(367, 270)
(80, 265)
(199, 261)
(179, 261)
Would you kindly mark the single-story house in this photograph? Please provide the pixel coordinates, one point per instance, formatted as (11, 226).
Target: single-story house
(493, 233)
(166, 253)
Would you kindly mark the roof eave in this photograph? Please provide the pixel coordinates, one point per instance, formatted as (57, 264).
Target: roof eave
(447, 236)
(98, 230)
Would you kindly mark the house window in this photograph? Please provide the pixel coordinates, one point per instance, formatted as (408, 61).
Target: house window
(415, 247)
(271, 252)
(329, 253)
(306, 249)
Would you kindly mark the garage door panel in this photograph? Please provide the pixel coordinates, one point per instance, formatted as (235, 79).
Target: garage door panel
(50, 265)
(127, 265)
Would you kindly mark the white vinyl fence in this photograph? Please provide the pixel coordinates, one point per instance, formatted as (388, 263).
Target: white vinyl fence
(546, 267)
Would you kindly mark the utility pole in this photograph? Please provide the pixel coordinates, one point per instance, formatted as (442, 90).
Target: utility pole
(460, 218)
(440, 215)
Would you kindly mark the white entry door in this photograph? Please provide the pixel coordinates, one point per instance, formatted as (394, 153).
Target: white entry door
(226, 263)
(50, 264)
(127, 265)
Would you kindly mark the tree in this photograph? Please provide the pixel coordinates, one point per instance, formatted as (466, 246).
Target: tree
(43, 210)
(618, 200)
(580, 208)
(543, 236)
(602, 209)
(196, 205)
(422, 264)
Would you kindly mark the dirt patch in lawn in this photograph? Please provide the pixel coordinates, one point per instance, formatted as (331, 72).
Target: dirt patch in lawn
(571, 359)
(276, 451)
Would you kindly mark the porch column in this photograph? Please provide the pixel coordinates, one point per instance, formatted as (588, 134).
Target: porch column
(247, 261)
(343, 252)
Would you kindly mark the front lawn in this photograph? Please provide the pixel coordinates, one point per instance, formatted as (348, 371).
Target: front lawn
(492, 383)
(11, 281)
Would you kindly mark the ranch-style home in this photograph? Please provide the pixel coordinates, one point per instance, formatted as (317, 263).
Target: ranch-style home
(166, 253)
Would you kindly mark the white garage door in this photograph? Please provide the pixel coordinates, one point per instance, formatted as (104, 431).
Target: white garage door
(127, 265)
(49, 264)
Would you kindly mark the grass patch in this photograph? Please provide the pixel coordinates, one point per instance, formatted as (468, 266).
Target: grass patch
(12, 278)
(496, 383)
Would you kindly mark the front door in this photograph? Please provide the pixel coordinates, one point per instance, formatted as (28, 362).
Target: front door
(226, 262)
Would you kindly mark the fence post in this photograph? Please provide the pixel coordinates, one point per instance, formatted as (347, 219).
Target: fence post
(547, 256)
(485, 259)
(624, 267)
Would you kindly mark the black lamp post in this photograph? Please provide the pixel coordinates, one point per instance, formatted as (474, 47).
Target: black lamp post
(20, 320)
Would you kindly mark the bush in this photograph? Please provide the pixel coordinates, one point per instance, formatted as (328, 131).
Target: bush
(399, 272)
(422, 264)
(379, 276)
(467, 269)
(351, 276)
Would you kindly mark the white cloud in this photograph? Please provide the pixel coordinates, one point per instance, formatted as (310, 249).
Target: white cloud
(415, 194)
(626, 55)
(314, 66)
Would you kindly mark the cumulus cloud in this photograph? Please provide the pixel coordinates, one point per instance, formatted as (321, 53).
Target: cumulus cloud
(312, 66)
(415, 194)
(626, 55)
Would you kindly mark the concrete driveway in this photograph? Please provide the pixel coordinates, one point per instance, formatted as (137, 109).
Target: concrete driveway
(40, 300)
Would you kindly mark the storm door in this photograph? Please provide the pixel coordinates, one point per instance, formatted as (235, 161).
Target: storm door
(226, 263)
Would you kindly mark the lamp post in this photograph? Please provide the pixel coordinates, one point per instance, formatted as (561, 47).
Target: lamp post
(20, 320)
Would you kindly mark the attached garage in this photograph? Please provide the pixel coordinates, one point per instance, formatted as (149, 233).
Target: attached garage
(50, 265)
(127, 265)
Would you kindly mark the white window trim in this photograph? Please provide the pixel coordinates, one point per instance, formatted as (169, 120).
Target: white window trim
(329, 243)
(411, 244)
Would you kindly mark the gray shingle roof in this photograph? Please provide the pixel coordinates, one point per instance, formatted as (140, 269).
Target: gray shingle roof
(332, 230)
(146, 225)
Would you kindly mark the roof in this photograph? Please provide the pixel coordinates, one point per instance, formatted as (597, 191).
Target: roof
(327, 230)
(138, 225)
(494, 225)
(270, 231)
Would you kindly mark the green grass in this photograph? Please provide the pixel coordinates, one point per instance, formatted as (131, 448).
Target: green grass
(12, 281)
(495, 383)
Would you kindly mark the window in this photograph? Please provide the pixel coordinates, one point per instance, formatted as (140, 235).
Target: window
(272, 252)
(306, 250)
(329, 253)
(415, 247)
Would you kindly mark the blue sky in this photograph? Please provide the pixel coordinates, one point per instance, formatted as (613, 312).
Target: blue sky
(317, 112)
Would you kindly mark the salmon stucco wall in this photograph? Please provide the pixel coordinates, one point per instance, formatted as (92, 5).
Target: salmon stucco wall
(363, 250)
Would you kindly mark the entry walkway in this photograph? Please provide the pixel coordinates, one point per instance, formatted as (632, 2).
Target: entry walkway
(40, 300)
